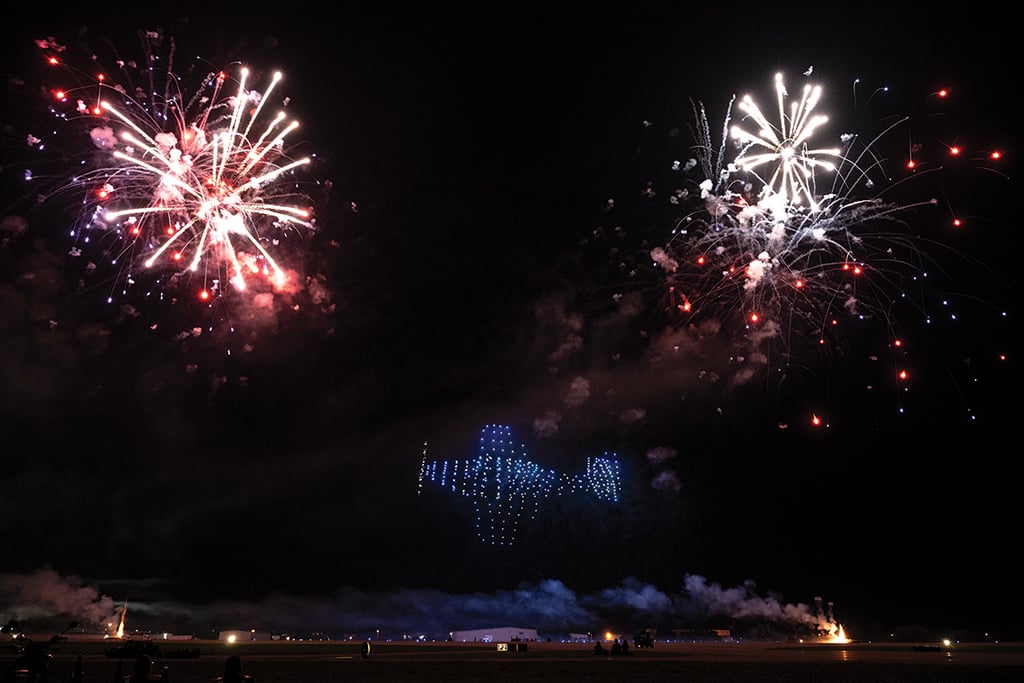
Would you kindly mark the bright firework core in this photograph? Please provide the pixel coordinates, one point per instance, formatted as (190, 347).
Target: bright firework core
(793, 177)
(206, 191)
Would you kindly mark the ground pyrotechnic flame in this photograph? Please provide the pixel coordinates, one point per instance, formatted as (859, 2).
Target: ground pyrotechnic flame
(839, 636)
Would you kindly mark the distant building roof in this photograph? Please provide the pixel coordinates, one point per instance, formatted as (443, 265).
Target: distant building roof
(495, 634)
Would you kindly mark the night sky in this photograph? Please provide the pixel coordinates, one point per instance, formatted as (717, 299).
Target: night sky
(255, 462)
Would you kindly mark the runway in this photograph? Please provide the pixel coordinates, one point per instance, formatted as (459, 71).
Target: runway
(411, 662)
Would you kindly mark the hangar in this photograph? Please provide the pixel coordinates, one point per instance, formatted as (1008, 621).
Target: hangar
(498, 634)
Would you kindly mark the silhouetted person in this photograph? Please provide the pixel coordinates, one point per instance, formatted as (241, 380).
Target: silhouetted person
(364, 651)
(616, 647)
(144, 671)
(598, 650)
(33, 663)
(233, 671)
(625, 646)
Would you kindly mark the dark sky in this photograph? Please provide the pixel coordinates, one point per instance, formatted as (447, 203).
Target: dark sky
(255, 462)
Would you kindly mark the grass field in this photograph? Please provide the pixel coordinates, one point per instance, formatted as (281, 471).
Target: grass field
(323, 662)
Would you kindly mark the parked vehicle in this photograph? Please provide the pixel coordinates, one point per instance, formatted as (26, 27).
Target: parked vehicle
(643, 639)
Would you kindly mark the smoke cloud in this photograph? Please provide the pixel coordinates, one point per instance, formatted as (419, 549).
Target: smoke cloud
(45, 598)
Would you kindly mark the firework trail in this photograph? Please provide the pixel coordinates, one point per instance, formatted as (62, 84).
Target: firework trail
(183, 182)
(783, 239)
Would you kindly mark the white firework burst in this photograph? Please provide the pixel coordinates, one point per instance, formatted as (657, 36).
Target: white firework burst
(785, 145)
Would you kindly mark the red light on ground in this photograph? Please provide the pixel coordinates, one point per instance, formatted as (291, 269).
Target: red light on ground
(957, 223)
(177, 256)
(700, 260)
(815, 420)
(996, 155)
(799, 284)
(911, 164)
(903, 375)
(954, 150)
(204, 295)
(53, 61)
(942, 93)
(897, 342)
(754, 317)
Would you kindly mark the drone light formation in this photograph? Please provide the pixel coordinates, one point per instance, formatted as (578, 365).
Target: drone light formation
(507, 489)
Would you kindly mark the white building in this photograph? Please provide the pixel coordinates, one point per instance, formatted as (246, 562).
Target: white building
(499, 634)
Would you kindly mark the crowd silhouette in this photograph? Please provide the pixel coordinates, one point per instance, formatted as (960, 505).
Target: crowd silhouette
(619, 647)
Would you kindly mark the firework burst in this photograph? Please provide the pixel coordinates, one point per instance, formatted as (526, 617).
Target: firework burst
(780, 254)
(206, 186)
(184, 184)
(784, 242)
(786, 146)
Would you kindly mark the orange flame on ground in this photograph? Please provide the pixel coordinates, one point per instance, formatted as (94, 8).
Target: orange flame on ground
(120, 627)
(839, 636)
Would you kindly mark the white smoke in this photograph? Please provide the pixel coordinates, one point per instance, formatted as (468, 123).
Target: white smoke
(579, 393)
(661, 454)
(666, 480)
(549, 605)
(547, 425)
(47, 594)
